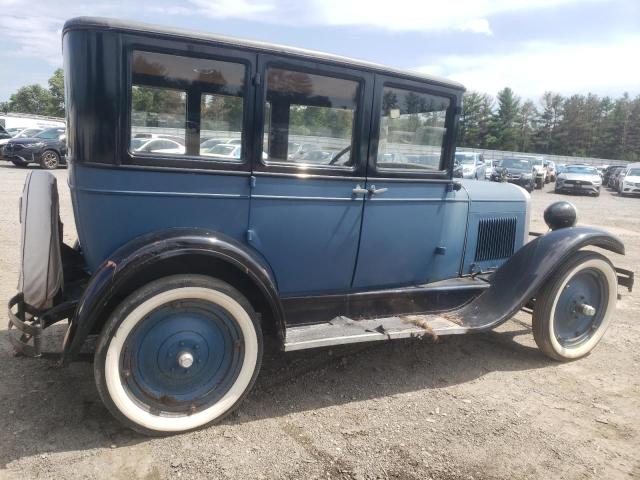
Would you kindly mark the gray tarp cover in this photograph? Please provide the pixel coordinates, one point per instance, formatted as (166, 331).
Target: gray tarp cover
(41, 262)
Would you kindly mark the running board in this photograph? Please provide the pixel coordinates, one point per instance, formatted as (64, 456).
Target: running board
(343, 330)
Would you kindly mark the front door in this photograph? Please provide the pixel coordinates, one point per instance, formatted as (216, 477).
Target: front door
(414, 222)
(310, 156)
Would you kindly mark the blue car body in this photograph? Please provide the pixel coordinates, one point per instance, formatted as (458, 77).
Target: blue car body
(384, 233)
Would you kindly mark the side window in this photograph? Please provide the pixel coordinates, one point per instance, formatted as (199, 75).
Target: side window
(412, 130)
(192, 104)
(309, 118)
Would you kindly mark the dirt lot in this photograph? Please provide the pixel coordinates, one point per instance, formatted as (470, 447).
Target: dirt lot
(478, 406)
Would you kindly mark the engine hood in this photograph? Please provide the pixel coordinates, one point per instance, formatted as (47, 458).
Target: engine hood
(580, 176)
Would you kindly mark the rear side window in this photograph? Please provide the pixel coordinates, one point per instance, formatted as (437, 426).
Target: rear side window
(309, 118)
(412, 130)
(192, 104)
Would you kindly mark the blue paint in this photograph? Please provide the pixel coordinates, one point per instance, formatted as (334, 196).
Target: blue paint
(571, 326)
(307, 229)
(401, 230)
(112, 206)
(206, 332)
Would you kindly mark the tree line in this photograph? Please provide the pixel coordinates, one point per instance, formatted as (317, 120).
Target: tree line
(578, 125)
(36, 99)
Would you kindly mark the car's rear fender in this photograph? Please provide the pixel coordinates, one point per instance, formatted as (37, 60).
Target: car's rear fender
(519, 279)
(168, 252)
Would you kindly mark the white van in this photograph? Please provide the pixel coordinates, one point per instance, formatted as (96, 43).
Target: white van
(23, 120)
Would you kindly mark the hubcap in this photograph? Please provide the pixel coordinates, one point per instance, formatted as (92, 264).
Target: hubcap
(183, 357)
(50, 159)
(581, 307)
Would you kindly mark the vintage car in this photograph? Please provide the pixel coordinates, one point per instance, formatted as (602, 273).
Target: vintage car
(186, 262)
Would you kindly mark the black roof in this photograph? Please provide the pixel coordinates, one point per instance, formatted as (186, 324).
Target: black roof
(143, 28)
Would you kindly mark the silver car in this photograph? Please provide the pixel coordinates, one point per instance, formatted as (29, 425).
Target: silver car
(579, 179)
(472, 164)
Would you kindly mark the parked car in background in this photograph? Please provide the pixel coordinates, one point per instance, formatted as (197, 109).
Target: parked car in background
(561, 167)
(614, 179)
(298, 150)
(472, 165)
(19, 133)
(551, 171)
(630, 182)
(609, 172)
(540, 176)
(4, 134)
(490, 165)
(157, 145)
(515, 170)
(47, 148)
(579, 179)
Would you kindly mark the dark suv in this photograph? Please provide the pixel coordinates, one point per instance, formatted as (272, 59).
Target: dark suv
(47, 148)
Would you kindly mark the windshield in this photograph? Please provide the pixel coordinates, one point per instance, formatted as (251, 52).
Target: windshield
(49, 134)
(519, 163)
(29, 132)
(634, 172)
(465, 158)
(582, 170)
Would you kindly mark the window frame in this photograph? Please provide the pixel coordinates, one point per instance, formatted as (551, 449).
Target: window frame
(197, 51)
(445, 172)
(360, 134)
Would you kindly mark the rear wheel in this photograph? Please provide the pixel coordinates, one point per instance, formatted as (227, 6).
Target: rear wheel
(178, 354)
(49, 160)
(575, 307)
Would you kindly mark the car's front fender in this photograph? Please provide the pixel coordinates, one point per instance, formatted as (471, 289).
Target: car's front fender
(520, 278)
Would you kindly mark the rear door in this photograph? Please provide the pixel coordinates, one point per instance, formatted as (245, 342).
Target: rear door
(414, 223)
(309, 157)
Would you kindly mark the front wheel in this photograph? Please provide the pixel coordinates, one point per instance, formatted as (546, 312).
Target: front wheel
(19, 163)
(575, 307)
(178, 354)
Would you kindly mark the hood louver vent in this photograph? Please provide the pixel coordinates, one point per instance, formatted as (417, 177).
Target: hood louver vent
(496, 238)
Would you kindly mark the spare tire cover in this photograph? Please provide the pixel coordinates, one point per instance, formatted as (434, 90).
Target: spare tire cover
(40, 256)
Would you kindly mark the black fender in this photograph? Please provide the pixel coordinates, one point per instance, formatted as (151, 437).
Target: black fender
(151, 249)
(519, 279)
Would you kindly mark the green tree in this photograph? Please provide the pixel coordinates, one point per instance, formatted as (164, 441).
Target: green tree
(505, 129)
(33, 99)
(526, 125)
(550, 118)
(56, 89)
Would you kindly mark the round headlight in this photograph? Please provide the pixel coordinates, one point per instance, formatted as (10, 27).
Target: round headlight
(560, 215)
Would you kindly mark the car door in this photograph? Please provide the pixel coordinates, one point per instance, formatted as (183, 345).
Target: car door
(414, 221)
(305, 217)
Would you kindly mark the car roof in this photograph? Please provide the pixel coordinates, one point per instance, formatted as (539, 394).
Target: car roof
(92, 23)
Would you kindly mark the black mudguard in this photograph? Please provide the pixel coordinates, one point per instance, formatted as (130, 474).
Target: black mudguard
(145, 251)
(519, 279)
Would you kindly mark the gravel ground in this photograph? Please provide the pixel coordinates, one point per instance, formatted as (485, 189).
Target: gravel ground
(476, 406)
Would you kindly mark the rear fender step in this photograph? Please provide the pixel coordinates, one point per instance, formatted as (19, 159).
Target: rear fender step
(343, 330)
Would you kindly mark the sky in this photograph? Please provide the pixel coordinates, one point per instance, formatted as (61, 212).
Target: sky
(567, 46)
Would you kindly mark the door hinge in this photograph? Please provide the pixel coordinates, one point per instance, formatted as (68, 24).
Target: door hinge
(251, 235)
(256, 79)
(252, 181)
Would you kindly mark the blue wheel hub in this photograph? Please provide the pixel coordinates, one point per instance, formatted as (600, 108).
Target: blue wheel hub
(182, 357)
(581, 307)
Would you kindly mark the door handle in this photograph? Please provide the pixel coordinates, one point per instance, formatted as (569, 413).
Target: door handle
(373, 190)
(359, 190)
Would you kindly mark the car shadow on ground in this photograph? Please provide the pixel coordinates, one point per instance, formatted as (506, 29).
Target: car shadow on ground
(47, 409)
